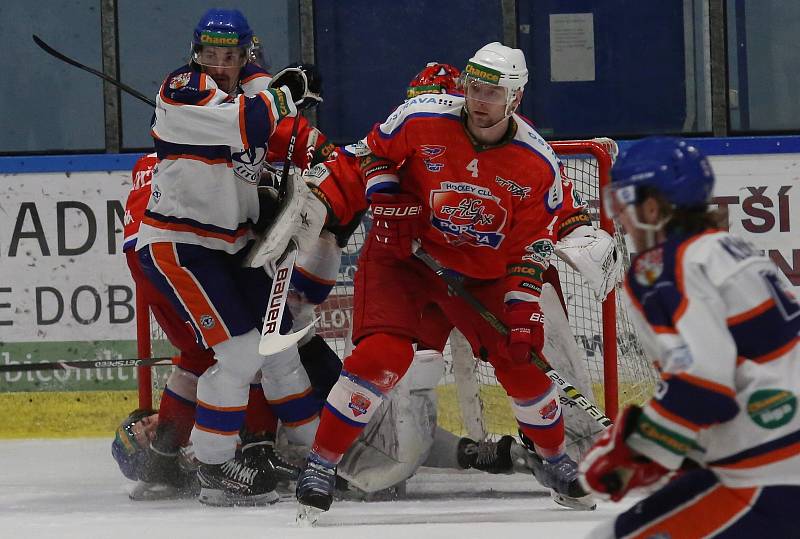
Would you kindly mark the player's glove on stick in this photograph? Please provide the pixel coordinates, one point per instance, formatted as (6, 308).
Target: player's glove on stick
(525, 323)
(396, 223)
(304, 83)
(611, 468)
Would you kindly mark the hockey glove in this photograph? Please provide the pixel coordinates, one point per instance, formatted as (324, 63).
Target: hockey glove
(525, 330)
(303, 81)
(396, 223)
(611, 468)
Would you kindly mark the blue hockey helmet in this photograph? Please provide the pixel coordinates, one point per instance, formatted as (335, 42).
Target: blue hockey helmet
(126, 450)
(223, 28)
(673, 167)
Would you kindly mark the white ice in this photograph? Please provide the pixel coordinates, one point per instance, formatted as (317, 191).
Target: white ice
(72, 489)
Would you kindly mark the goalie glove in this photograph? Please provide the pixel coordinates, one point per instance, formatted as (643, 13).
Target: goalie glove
(593, 254)
(300, 217)
(611, 468)
(304, 83)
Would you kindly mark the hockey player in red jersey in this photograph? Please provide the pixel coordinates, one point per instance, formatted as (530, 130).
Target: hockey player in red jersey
(481, 190)
(721, 323)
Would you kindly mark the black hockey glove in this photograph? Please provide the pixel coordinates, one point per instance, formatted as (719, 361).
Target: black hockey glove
(303, 81)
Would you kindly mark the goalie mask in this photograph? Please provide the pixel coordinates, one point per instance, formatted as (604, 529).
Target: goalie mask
(496, 74)
(132, 438)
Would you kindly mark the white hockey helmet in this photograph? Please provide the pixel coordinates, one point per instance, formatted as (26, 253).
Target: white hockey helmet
(499, 65)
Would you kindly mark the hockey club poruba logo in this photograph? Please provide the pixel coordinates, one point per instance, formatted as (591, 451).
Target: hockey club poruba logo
(179, 81)
(649, 266)
(359, 404)
(468, 214)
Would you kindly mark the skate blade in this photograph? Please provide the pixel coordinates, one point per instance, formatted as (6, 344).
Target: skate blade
(307, 516)
(584, 503)
(220, 498)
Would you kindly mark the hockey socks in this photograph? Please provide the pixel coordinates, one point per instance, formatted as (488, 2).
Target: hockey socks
(259, 417)
(540, 419)
(176, 410)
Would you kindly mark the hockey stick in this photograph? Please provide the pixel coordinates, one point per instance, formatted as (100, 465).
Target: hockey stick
(86, 364)
(64, 58)
(458, 288)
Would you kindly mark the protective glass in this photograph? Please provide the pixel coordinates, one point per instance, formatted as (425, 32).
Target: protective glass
(224, 57)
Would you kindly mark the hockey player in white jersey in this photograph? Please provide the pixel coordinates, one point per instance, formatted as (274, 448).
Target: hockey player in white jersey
(212, 121)
(721, 436)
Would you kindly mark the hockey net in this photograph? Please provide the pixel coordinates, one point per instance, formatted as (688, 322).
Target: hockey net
(471, 401)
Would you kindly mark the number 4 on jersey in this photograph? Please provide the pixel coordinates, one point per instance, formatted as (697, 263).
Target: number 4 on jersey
(472, 166)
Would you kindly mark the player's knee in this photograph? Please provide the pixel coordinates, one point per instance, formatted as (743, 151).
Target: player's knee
(239, 357)
(381, 359)
(183, 384)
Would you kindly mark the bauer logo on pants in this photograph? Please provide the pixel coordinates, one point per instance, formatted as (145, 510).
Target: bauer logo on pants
(359, 403)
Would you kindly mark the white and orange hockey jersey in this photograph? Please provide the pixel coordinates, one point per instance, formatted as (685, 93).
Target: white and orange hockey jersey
(722, 324)
(211, 148)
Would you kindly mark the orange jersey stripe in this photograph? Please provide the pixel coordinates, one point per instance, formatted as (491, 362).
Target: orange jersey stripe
(762, 460)
(702, 517)
(752, 313)
(301, 422)
(702, 382)
(288, 398)
(666, 414)
(182, 227)
(221, 408)
(189, 292)
(215, 431)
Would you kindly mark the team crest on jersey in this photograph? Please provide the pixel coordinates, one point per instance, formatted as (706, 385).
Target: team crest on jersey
(179, 81)
(649, 266)
(549, 410)
(468, 214)
(359, 404)
(247, 163)
(432, 150)
(539, 251)
(207, 321)
(513, 187)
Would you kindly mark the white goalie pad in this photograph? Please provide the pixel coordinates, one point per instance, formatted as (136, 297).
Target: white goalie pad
(399, 437)
(300, 217)
(563, 353)
(593, 254)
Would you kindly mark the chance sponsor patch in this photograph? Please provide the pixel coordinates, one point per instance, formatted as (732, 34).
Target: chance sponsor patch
(771, 408)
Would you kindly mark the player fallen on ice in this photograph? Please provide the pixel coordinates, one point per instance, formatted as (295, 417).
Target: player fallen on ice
(719, 441)
(481, 190)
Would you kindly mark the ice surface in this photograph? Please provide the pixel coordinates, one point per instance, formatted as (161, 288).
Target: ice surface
(72, 489)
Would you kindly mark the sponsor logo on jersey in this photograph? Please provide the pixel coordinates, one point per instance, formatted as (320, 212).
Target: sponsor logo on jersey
(207, 321)
(432, 166)
(468, 214)
(482, 73)
(513, 187)
(359, 404)
(219, 39)
(549, 410)
(539, 251)
(771, 408)
(649, 266)
(179, 81)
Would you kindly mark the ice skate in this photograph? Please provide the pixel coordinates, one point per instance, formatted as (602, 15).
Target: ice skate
(258, 450)
(234, 483)
(487, 456)
(315, 488)
(561, 477)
